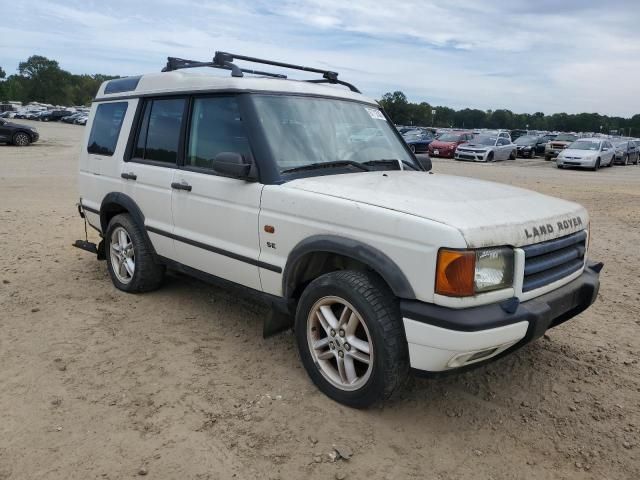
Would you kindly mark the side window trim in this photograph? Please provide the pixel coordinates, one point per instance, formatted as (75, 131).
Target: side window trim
(137, 127)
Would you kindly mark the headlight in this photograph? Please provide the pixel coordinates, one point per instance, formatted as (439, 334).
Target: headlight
(464, 273)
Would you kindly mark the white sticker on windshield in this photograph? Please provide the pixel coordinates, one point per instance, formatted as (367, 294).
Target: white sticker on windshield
(375, 113)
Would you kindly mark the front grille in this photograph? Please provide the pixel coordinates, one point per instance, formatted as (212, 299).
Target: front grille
(560, 146)
(550, 261)
(466, 157)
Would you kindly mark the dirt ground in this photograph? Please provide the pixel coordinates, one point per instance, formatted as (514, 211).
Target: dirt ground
(180, 384)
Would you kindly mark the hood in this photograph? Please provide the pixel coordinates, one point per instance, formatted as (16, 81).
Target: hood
(476, 145)
(441, 144)
(17, 125)
(485, 213)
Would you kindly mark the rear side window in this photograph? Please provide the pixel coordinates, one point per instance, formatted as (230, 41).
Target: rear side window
(106, 128)
(216, 127)
(159, 136)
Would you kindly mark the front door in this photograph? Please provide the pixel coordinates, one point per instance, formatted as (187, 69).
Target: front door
(148, 175)
(216, 217)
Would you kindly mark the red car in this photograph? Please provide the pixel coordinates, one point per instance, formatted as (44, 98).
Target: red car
(445, 145)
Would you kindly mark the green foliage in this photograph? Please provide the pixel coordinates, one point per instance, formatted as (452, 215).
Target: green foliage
(40, 79)
(403, 112)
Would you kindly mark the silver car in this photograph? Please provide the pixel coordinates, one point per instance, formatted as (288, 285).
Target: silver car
(591, 153)
(487, 148)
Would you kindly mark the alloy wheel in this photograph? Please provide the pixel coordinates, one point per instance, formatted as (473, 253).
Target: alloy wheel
(122, 255)
(340, 343)
(21, 139)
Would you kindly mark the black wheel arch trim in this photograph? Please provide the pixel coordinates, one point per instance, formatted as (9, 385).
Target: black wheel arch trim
(127, 203)
(366, 254)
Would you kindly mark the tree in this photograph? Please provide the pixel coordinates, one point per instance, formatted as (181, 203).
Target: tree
(2, 73)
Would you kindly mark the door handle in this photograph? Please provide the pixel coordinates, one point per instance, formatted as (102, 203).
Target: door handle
(181, 186)
(129, 176)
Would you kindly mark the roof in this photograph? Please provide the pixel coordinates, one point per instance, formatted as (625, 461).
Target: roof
(182, 82)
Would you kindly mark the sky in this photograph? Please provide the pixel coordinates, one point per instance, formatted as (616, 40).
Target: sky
(540, 55)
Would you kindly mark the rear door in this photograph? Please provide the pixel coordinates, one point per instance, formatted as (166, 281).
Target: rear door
(150, 170)
(216, 217)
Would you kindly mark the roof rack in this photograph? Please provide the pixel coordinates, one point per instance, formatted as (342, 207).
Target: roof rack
(224, 61)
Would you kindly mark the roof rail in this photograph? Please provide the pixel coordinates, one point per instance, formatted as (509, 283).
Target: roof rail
(224, 61)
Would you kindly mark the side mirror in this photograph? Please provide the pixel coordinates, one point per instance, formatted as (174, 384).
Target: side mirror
(425, 161)
(231, 164)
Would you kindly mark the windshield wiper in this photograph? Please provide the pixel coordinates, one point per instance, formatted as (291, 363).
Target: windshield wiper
(319, 165)
(390, 161)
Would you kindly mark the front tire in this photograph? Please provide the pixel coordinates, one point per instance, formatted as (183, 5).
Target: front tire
(129, 259)
(21, 139)
(596, 166)
(351, 338)
(513, 155)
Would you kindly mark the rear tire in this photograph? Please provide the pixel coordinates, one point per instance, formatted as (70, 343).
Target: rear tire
(129, 257)
(626, 160)
(21, 139)
(351, 338)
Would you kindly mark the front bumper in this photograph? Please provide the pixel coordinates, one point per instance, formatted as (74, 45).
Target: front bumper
(575, 162)
(442, 339)
(471, 156)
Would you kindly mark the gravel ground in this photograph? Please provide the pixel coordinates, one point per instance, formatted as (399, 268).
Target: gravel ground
(179, 383)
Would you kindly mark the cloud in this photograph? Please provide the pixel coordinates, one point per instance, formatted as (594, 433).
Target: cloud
(527, 56)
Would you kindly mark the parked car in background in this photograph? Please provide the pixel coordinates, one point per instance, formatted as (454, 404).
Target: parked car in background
(82, 120)
(55, 115)
(418, 140)
(16, 134)
(73, 117)
(515, 134)
(529, 146)
(445, 145)
(626, 152)
(555, 146)
(485, 148)
(591, 153)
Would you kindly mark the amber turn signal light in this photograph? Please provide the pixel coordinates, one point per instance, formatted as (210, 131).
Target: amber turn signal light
(455, 273)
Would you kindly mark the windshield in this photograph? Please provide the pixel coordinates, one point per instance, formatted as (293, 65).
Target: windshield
(449, 137)
(525, 140)
(584, 145)
(483, 140)
(306, 130)
(566, 138)
(621, 144)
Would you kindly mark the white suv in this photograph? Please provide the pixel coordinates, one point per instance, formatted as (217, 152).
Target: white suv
(306, 195)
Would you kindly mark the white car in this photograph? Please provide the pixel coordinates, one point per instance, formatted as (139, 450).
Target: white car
(380, 264)
(591, 153)
(487, 148)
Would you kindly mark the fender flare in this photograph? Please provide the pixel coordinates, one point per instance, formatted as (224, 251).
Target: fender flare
(126, 202)
(348, 247)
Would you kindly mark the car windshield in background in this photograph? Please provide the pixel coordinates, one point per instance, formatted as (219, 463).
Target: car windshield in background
(482, 140)
(525, 140)
(449, 137)
(302, 131)
(582, 145)
(622, 144)
(566, 138)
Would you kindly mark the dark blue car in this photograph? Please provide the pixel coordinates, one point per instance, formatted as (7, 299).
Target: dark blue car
(418, 140)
